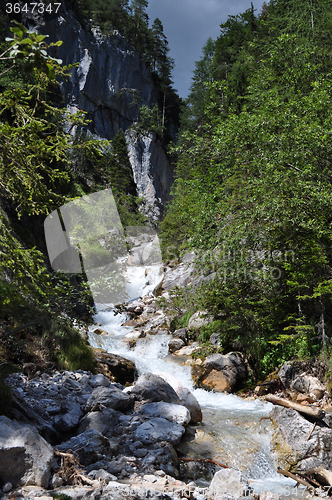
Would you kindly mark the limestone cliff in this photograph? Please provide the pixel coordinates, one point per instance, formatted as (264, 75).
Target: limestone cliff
(108, 83)
(153, 174)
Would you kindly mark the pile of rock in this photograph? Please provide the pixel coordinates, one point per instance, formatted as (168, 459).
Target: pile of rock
(112, 432)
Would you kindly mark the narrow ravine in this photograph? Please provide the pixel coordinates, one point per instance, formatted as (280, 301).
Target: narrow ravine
(236, 429)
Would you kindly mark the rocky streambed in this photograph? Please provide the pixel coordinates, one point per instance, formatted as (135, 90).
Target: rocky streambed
(141, 427)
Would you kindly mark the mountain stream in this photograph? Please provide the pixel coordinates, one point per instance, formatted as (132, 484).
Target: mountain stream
(236, 429)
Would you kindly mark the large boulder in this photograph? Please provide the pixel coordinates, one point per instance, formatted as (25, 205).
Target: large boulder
(199, 319)
(89, 446)
(220, 372)
(180, 276)
(174, 413)
(181, 333)
(115, 367)
(228, 483)
(307, 384)
(153, 388)
(186, 397)
(175, 345)
(109, 397)
(103, 421)
(291, 444)
(156, 430)
(25, 457)
(68, 421)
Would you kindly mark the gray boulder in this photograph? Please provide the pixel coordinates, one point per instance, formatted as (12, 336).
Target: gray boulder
(89, 447)
(228, 482)
(68, 421)
(153, 388)
(180, 275)
(25, 457)
(174, 413)
(186, 398)
(199, 319)
(287, 374)
(155, 430)
(306, 384)
(215, 340)
(181, 333)
(175, 345)
(291, 445)
(109, 397)
(103, 421)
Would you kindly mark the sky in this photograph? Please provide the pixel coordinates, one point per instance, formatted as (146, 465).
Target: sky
(187, 25)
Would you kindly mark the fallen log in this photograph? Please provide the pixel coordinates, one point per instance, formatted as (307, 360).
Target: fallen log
(322, 475)
(296, 478)
(310, 411)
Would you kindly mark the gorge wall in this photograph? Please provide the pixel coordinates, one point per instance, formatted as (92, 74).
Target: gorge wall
(108, 83)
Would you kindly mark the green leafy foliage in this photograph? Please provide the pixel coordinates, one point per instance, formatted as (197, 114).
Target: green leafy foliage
(253, 189)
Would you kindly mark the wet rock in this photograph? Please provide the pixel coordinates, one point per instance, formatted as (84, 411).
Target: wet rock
(109, 397)
(131, 338)
(153, 388)
(186, 398)
(199, 319)
(228, 482)
(7, 487)
(115, 367)
(155, 430)
(25, 457)
(103, 421)
(175, 345)
(174, 413)
(188, 350)
(220, 372)
(89, 447)
(99, 331)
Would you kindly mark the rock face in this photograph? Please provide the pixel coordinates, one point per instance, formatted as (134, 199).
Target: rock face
(290, 442)
(107, 83)
(220, 372)
(153, 175)
(25, 457)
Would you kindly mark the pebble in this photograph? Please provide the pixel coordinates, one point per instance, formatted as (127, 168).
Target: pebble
(7, 487)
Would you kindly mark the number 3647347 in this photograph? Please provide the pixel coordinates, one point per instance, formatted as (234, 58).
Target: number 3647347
(34, 7)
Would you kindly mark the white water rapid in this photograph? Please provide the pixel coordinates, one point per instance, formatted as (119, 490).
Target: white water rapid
(232, 427)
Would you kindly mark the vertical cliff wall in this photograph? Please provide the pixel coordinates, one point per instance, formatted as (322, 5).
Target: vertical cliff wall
(109, 82)
(153, 175)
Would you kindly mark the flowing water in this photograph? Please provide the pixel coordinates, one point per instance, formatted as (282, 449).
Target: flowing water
(234, 429)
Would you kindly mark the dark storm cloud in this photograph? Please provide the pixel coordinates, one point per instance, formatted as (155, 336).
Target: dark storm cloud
(188, 24)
